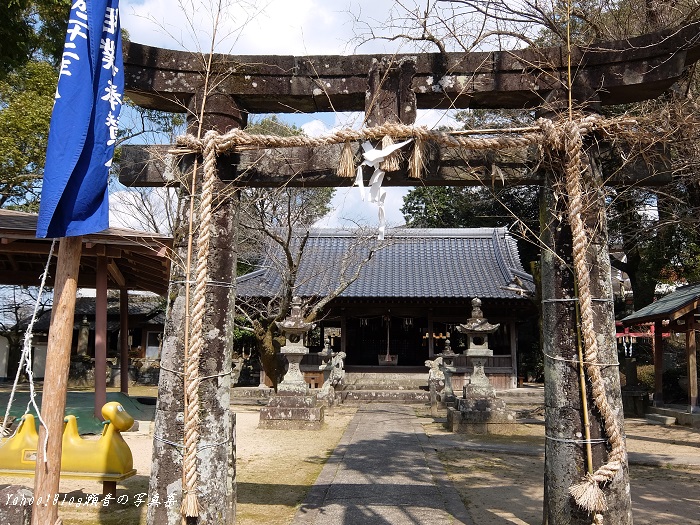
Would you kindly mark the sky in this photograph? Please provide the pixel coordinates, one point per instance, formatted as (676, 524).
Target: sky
(283, 27)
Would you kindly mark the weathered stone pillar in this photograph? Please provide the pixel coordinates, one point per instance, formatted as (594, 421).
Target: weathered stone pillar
(565, 454)
(389, 95)
(216, 458)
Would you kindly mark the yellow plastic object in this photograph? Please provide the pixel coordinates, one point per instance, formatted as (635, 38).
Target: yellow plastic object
(110, 454)
(108, 457)
(19, 451)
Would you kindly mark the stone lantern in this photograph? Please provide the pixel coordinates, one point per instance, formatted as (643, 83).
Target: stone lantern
(448, 369)
(477, 330)
(292, 407)
(479, 411)
(294, 327)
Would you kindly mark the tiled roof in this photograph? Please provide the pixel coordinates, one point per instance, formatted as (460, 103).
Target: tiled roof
(671, 306)
(410, 263)
(149, 310)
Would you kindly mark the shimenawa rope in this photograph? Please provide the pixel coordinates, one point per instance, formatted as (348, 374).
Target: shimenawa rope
(190, 506)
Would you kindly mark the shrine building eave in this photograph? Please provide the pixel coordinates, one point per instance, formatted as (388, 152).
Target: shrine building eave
(615, 72)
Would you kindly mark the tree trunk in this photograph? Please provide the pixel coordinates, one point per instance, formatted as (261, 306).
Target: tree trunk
(565, 456)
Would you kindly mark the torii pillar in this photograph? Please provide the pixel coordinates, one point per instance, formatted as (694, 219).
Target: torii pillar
(565, 452)
(216, 463)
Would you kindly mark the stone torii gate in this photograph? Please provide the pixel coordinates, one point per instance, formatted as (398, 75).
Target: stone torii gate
(391, 89)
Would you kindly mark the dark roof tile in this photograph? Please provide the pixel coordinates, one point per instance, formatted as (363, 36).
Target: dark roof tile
(470, 262)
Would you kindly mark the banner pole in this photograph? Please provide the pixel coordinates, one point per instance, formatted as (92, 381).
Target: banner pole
(53, 404)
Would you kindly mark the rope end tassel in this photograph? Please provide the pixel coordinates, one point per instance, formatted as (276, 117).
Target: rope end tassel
(190, 505)
(391, 162)
(415, 163)
(588, 495)
(346, 164)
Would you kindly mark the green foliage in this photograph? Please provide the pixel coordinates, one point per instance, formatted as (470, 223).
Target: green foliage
(243, 336)
(50, 31)
(31, 42)
(645, 376)
(15, 34)
(26, 101)
(272, 125)
(453, 207)
(31, 29)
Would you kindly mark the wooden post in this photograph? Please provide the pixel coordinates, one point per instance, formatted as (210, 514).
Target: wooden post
(344, 334)
(389, 94)
(124, 340)
(513, 354)
(691, 349)
(100, 336)
(431, 342)
(53, 405)
(658, 364)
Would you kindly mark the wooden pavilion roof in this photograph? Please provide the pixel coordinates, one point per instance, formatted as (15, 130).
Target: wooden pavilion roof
(669, 308)
(136, 260)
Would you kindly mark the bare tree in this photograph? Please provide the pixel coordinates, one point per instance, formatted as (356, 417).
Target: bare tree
(279, 223)
(16, 307)
(143, 208)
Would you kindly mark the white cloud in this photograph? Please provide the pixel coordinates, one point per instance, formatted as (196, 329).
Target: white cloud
(299, 27)
(315, 128)
(433, 118)
(350, 210)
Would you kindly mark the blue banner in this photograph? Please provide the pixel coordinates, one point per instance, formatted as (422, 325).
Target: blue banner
(74, 195)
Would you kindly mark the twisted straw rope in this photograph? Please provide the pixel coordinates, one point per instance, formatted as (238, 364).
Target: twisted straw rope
(237, 138)
(190, 505)
(544, 131)
(587, 493)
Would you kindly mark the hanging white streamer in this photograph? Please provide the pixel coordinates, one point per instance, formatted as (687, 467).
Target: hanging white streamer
(373, 158)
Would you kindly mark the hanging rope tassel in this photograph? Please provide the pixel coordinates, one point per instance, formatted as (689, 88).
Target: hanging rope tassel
(346, 164)
(415, 163)
(588, 493)
(391, 162)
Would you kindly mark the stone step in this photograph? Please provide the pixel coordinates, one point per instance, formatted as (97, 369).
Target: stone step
(385, 381)
(658, 419)
(385, 396)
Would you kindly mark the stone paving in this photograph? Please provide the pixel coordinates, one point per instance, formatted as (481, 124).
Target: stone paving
(382, 472)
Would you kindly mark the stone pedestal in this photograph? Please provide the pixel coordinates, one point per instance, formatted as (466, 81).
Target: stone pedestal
(289, 411)
(479, 385)
(481, 416)
(635, 401)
